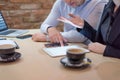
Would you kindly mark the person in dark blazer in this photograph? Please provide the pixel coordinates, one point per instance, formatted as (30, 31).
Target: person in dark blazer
(105, 40)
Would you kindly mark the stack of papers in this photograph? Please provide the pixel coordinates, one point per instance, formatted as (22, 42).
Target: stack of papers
(60, 51)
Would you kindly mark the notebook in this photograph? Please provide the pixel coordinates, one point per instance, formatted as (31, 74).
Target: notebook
(61, 51)
(5, 31)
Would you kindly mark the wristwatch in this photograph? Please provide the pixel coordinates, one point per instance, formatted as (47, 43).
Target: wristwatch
(48, 28)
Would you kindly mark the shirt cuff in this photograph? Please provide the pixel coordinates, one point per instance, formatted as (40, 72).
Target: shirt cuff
(44, 28)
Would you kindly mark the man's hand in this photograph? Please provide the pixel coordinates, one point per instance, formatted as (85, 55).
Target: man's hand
(97, 47)
(37, 37)
(55, 36)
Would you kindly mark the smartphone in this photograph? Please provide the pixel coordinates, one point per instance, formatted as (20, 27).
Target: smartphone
(24, 36)
(54, 44)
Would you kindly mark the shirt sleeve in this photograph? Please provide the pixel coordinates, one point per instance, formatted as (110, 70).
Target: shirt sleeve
(51, 20)
(73, 36)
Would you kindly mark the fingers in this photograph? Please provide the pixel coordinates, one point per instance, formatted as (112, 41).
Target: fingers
(38, 37)
(61, 40)
(71, 15)
(61, 43)
(58, 39)
(34, 36)
(65, 40)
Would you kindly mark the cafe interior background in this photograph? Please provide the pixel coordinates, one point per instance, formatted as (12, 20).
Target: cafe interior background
(26, 14)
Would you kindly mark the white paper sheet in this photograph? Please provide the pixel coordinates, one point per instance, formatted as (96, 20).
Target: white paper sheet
(69, 22)
(60, 51)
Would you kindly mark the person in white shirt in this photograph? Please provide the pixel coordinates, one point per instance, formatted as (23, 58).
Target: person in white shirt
(89, 10)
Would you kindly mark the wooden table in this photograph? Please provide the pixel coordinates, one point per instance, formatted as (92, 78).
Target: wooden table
(35, 64)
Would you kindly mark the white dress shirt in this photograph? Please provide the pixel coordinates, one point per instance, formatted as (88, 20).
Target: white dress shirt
(90, 11)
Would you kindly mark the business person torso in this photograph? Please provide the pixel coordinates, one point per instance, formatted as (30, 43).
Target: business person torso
(109, 31)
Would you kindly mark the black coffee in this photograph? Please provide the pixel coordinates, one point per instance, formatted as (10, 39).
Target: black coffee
(75, 56)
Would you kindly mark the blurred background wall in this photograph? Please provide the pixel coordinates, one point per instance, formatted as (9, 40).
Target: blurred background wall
(25, 14)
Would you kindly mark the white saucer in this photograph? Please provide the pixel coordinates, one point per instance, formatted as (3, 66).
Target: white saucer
(86, 62)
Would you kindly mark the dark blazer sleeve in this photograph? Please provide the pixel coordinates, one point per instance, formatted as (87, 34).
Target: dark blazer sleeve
(112, 52)
(113, 44)
(88, 31)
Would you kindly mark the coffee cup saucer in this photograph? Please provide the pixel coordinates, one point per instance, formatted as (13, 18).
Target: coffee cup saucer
(86, 62)
(5, 58)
